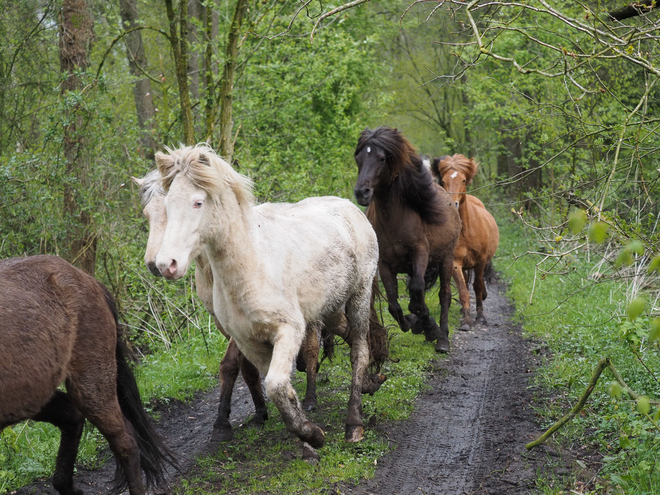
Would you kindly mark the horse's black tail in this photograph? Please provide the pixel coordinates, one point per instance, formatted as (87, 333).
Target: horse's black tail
(431, 275)
(154, 454)
(489, 273)
(328, 341)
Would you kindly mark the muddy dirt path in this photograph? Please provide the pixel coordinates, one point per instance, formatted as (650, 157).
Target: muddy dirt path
(466, 436)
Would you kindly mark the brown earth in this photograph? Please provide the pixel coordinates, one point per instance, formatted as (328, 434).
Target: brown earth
(466, 436)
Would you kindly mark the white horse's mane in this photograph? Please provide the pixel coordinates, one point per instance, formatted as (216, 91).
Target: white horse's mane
(205, 170)
(150, 186)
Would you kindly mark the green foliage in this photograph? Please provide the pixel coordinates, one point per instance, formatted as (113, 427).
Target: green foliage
(580, 319)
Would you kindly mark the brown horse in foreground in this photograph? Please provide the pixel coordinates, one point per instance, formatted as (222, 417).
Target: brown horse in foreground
(59, 325)
(416, 224)
(479, 236)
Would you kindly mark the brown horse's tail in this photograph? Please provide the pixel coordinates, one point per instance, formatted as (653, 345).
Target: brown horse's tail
(328, 342)
(154, 454)
(379, 342)
(489, 273)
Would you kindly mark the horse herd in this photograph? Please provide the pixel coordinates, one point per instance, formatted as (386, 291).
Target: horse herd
(273, 276)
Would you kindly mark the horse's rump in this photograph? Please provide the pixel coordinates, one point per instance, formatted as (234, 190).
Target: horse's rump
(37, 333)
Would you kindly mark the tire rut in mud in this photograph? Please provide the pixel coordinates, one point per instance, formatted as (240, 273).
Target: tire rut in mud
(468, 433)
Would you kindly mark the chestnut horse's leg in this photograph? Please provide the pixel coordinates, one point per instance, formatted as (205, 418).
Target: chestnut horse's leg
(308, 360)
(388, 277)
(479, 292)
(463, 296)
(61, 412)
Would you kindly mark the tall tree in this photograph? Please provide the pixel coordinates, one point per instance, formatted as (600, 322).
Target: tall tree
(75, 43)
(137, 63)
(179, 42)
(227, 88)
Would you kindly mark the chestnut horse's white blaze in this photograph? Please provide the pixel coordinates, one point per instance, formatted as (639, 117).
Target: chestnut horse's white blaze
(277, 269)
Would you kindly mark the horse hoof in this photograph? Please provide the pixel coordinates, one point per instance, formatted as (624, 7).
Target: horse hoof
(442, 345)
(354, 433)
(465, 327)
(316, 437)
(309, 405)
(410, 321)
(482, 321)
(419, 327)
(221, 435)
(257, 422)
(373, 383)
(309, 454)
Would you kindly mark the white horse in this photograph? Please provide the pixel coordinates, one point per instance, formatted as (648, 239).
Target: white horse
(152, 197)
(278, 269)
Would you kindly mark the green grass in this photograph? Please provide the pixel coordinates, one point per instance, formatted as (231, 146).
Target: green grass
(577, 316)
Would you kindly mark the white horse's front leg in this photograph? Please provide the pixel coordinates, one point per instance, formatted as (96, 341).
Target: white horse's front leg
(278, 386)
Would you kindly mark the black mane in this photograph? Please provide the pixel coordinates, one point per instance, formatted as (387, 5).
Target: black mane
(410, 180)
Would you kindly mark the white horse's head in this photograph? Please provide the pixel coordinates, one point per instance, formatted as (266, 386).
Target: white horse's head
(200, 188)
(152, 196)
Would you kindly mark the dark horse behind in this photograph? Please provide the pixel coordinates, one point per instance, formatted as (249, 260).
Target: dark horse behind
(59, 325)
(416, 223)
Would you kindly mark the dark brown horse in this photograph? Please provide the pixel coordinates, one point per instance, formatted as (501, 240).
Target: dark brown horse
(59, 325)
(479, 235)
(416, 224)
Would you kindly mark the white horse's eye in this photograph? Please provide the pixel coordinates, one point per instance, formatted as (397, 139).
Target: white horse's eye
(198, 204)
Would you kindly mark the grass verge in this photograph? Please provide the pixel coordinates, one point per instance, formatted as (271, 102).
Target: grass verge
(574, 308)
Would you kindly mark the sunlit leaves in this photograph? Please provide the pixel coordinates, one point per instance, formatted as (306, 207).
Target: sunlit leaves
(636, 308)
(643, 405)
(654, 333)
(615, 390)
(577, 220)
(597, 232)
(654, 266)
(627, 254)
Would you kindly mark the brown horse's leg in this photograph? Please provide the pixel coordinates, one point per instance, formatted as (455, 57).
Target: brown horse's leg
(463, 297)
(388, 277)
(357, 311)
(108, 418)
(442, 344)
(61, 412)
(479, 293)
(416, 287)
(309, 352)
(229, 367)
(252, 379)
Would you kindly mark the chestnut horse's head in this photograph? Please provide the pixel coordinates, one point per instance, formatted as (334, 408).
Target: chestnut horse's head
(455, 173)
(381, 155)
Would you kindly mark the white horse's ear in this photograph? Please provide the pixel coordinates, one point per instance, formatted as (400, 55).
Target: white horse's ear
(204, 160)
(164, 162)
(139, 182)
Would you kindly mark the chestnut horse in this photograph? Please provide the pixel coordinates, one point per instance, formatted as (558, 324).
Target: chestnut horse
(152, 198)
(416, 225)
(278, 269)
(59, 325)
(479, 236)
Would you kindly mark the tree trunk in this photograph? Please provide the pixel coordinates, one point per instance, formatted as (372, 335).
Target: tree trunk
(227, 89)
(137, 62)
(75, 42)
(195, 11)
(179, 43)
